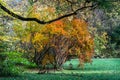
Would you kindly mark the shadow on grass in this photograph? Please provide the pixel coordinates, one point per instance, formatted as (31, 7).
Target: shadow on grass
(66, 76)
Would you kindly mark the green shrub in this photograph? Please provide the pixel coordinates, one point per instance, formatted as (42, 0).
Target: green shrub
(8, 68)
(17, 58)
(9, 64)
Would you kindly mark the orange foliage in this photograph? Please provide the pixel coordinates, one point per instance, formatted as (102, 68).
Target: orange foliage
(56, 27)
(84, 41)
(59, 23)
(63, 34)
(80, 39)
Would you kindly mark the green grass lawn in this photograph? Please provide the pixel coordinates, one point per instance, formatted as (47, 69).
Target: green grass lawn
(101, 69)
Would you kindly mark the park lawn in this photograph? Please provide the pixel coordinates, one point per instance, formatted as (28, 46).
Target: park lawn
(101, 69)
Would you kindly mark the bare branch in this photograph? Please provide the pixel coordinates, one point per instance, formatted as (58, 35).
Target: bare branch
(40, 21)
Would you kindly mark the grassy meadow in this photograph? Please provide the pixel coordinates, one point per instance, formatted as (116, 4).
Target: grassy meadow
(101, 69)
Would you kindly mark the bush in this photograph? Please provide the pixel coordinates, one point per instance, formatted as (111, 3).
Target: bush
(9, 63)
(8, 68)
(19, 60)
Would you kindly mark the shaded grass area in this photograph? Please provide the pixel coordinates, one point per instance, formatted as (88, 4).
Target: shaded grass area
(64, 76)
(101, 69)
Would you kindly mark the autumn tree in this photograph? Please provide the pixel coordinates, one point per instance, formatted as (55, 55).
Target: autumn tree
(59, 39)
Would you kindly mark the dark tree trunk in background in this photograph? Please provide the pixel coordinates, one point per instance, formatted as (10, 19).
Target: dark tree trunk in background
(57, 47)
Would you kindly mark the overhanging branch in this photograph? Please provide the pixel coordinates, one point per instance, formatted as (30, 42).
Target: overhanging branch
(40, 21)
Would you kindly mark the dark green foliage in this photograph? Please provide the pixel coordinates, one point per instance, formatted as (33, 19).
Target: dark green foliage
(105, 4)
(8, 68)
(2, 57)
(115, 36)
(3, 45)
(31, 2)
(114, 43)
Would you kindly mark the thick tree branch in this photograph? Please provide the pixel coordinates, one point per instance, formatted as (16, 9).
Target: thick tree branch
(40, 21)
